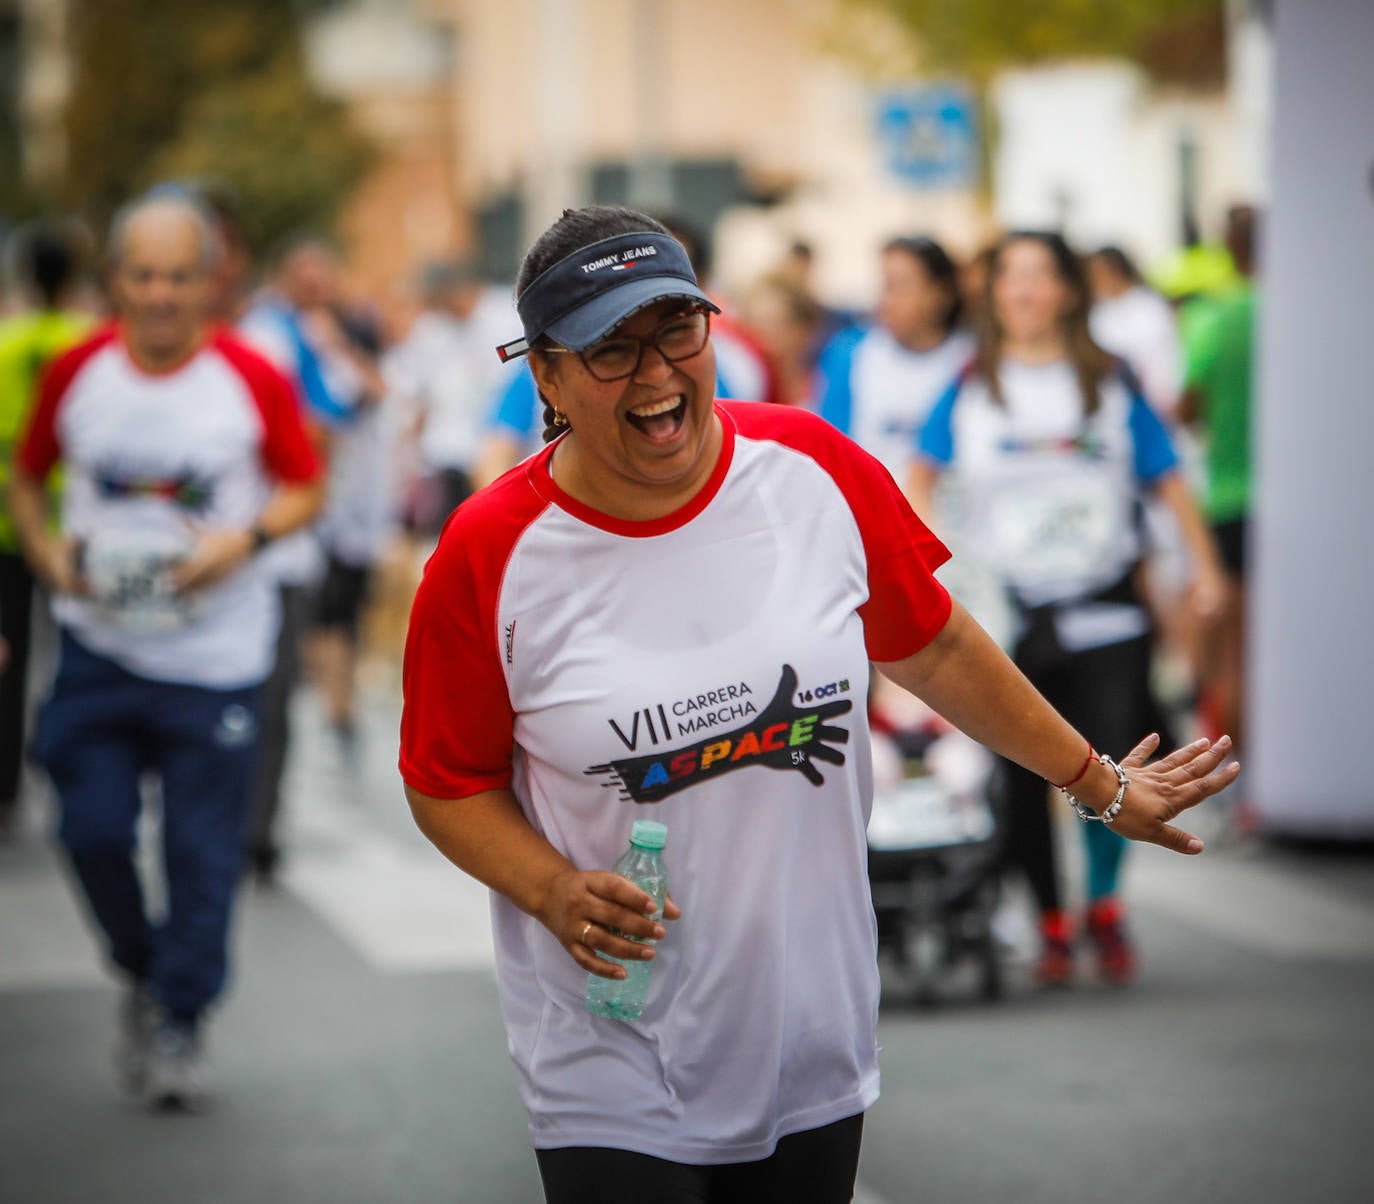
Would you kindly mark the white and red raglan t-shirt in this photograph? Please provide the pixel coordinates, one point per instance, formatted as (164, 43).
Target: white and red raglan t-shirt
(708, 669)
(151, 461)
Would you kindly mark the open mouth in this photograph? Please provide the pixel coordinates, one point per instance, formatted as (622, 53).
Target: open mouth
(659, 420)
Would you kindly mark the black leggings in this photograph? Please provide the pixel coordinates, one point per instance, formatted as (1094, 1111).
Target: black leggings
(1105, 694)
(817, 1166)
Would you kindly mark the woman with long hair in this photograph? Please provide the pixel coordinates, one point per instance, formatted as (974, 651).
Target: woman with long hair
(878, 383)
(1052, 449)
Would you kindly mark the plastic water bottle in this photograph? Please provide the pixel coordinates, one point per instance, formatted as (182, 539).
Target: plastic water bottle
(642, 864)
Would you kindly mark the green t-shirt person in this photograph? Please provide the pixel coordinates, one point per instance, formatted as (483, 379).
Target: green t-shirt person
(28, 342)
(1218, 343)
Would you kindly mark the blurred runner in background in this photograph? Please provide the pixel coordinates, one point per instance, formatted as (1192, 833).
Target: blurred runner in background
(1052, 447)
(1219, 340)
(798, 268)
(878, 384)
(445, 373)
(186, 456)
(43, 266)
(1135, 323)
(1139, 326)
(787, 320)
(232, 287)
(332, 354)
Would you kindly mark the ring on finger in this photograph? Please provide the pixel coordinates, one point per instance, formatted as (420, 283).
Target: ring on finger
(588, 927)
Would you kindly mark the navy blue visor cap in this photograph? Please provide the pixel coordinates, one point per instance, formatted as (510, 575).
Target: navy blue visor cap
(584, 296)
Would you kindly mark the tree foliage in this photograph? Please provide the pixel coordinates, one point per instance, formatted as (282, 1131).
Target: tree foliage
(976, 38)
(284, 151)
(212, 90)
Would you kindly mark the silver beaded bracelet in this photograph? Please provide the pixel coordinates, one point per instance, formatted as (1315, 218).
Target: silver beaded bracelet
(1110, 812)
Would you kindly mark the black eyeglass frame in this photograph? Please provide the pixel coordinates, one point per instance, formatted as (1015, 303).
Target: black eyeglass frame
(652, 341)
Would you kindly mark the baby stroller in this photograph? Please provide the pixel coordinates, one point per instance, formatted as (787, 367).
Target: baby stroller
(933, 844)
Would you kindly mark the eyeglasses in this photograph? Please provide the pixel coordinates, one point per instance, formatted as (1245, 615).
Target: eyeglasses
(677, 338)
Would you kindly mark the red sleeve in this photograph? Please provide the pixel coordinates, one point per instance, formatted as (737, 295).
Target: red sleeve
(457, 723)
(907, 607)
(287, 450)
(39, 449)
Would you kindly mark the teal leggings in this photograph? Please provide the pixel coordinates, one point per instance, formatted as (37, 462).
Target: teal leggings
(1105, 851)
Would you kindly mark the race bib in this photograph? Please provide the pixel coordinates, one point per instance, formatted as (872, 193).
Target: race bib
(131, 581)
(1054, 531)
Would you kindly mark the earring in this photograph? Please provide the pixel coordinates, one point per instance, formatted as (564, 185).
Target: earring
(560, 418)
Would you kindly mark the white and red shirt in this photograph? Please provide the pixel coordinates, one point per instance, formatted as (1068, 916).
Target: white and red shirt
(151, 461)
(708, 669)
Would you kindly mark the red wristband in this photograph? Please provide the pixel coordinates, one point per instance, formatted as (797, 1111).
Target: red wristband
(1088, 760)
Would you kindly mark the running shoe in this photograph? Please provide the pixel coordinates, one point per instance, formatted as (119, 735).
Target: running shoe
(138, 1018)
(176, 1072)
(1107, 932)
(1055, 967)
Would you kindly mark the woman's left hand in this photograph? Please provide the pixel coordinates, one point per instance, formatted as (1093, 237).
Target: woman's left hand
(1160, 791)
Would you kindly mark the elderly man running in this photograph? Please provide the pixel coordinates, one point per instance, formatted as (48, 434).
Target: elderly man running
(185, 455)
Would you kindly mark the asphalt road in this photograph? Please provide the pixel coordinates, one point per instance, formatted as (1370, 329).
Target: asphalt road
(359, 1056)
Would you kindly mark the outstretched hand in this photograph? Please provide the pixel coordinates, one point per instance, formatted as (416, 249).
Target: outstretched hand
(1162, 790)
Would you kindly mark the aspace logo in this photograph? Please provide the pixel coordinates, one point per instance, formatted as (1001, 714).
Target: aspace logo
(781, 736)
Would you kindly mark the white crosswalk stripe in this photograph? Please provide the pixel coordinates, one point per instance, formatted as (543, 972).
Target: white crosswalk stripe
(402, 909)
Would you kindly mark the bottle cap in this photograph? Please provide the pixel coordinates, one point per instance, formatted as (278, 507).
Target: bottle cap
(649, 834)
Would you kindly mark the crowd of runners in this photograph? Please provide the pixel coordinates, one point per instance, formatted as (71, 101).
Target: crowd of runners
(209, 456)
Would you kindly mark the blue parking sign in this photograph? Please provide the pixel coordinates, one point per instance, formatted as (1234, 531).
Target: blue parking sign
(929, 136)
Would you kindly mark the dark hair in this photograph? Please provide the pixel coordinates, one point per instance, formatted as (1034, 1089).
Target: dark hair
(1121, 263)
(577, 228)
(939, 268)
(45, 259)
(1090, 363)
(695, 241)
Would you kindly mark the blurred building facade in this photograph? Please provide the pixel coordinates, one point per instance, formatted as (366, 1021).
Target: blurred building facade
(393, 64)
(492, 115)
(41, 81)
(489, 116)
